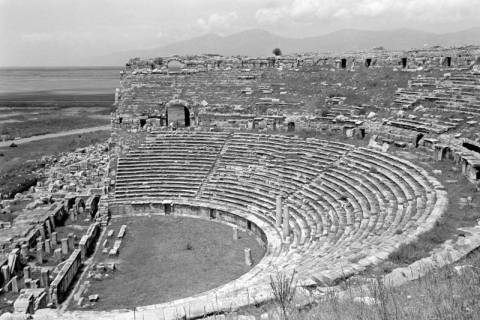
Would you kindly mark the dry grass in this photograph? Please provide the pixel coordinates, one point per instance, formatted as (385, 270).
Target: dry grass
(283, 288)
(444, 295)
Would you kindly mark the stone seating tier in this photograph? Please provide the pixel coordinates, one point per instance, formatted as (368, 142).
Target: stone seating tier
(350, 196)
(348, 207)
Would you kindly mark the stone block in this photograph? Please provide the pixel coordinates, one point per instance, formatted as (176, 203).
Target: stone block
(248, 257)
(25, 251)
(122, 231)
(65, 247)
(57, 254)
(15, 285)
(45, 278)
(71, 241)
(48, 247)
(27, 272)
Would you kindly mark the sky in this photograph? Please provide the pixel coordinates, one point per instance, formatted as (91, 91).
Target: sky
(66, 32)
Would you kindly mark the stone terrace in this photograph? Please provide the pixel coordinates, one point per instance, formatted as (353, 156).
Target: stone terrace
(328, 209)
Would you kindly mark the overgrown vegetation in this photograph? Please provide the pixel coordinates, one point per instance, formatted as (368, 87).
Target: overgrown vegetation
(18, 178)
(18, 165)
(283, 288)
(455, 217)
(450, 293)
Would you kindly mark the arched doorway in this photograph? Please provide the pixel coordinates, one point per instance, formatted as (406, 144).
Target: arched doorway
(178, 114)
(448, 61)
(291, 126)
(368, 62)
(417, 140)
(447, 153)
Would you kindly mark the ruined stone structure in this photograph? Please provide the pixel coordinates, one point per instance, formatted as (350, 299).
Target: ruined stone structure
(344, 206)
(323, 208)
(216, 138)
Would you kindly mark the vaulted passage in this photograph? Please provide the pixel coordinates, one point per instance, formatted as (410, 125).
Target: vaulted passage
(291, 126)
(447, 62)
(368, 62)
(178, 116)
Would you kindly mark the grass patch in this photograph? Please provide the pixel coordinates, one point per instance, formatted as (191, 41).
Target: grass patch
(50, 124)
(448, 293)
(455, 216)
(409, 253)
(36, 113)
(163, 258)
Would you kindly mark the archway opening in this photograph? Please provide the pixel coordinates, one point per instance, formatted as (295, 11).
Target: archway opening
(291, 126)
(448, 61)
(368, 62)
(447, 153)
(343, 63)
(187, 116)
(178, 116)
(404, 63)
(417, 140)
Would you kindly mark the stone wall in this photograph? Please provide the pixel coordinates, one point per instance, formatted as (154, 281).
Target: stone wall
(213, 213)
(60, 285)
(87, 241)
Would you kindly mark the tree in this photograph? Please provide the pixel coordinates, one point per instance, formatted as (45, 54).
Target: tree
(277, 52)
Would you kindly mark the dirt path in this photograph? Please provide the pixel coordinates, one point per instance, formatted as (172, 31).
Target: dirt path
(54, 135)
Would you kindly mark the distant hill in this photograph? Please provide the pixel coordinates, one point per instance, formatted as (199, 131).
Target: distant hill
(257, 42)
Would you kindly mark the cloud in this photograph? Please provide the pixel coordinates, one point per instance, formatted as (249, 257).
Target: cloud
(217, 21)
(59, 37)
(267, 16)
(38, 37)
(314, 10)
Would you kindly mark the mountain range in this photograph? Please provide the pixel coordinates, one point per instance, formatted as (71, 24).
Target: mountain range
(258, 42)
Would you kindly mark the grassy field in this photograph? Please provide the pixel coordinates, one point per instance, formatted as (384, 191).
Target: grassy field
(374, 86)
(25, 115)
(165, 258)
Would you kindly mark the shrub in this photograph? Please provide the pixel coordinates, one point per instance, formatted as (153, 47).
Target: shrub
(283, 289)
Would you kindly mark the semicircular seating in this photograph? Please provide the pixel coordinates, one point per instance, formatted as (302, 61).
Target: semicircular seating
(349, 207)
